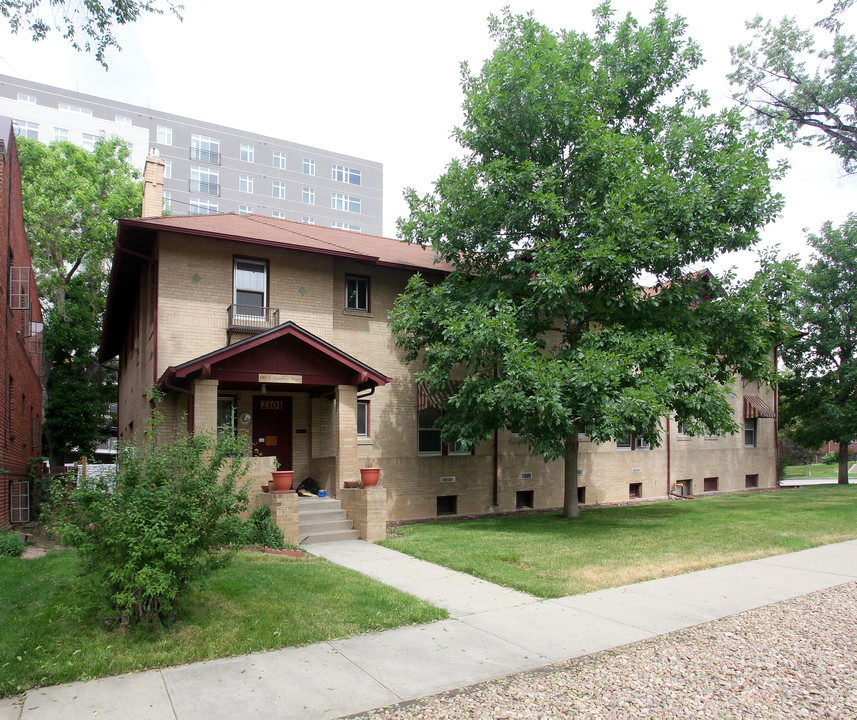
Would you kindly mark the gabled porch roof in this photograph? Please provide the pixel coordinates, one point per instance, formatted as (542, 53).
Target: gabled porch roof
(286, 356)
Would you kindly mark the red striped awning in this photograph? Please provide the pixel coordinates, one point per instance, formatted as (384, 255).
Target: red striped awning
(426, 400)
(755, 407)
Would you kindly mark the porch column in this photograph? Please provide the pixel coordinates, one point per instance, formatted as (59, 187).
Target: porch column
(205, 406)
(345, 424)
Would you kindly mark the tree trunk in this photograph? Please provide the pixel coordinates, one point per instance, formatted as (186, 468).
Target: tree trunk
(570, 508)
(843, 463)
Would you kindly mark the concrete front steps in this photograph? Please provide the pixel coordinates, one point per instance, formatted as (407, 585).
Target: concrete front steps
(322, 520)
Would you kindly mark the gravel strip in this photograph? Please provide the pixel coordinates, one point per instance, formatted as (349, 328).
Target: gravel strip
(795, 659)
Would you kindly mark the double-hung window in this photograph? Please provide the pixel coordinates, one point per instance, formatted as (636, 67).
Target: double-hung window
(251, 287)
(750, 432)
(226, 416)
(357, 293)
(428, 434)
(363, 418)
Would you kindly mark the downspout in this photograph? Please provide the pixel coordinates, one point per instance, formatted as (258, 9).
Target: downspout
(496, 469)
(669, 459)
(776, 424)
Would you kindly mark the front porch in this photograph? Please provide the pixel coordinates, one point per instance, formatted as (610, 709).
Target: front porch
(295, 397)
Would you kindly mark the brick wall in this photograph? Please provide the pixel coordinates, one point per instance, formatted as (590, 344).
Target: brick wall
(194, 290)
(21, 395)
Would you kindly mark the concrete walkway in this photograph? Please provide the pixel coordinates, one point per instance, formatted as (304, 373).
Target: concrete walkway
(493, 632)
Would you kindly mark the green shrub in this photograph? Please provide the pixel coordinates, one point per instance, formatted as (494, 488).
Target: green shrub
(146, 535)
(261, 530)
(830, 458)
(11, 545)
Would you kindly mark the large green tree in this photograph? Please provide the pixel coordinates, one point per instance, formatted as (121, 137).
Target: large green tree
(819, 392)
(800, 91)
(72, 199)
(588, 162)
(88, 25)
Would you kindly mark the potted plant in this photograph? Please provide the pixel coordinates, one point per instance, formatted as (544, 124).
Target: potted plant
(369, 476)
(282, 478)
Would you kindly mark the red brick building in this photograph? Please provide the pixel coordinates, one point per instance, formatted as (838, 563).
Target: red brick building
(22, 350)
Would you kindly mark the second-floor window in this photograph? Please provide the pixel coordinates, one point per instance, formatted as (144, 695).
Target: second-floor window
(357, 293)
(250, 287)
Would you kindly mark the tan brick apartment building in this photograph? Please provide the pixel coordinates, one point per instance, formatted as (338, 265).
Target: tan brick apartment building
(21, 356)
(280, 327)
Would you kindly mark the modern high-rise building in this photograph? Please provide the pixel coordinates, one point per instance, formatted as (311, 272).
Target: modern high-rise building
(210, 168)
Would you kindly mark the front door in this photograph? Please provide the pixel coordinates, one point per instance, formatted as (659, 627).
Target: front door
(272, 428)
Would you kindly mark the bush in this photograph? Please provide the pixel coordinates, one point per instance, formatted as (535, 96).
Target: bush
(148, 534)
(11, 545)
(831, 458)
(261, 530)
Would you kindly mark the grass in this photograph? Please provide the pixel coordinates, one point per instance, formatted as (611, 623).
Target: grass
(815, 470)
(50, 631)
(548, 556)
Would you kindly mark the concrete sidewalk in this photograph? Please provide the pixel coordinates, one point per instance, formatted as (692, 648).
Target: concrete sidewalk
(494, 631)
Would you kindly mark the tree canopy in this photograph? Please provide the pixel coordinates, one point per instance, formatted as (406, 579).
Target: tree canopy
(587, 163)
(87, 25)
(792, 85)
(819, 392)
(72, 199)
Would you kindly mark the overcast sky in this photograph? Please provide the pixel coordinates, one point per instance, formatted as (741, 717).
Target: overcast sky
(380, 80)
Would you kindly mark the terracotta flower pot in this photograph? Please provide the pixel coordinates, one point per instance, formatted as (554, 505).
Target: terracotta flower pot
(369, 476)
(283, 479)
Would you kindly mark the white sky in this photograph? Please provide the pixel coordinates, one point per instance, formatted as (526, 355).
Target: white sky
(380, 80)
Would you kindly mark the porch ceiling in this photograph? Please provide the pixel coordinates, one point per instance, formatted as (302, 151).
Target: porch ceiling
(286, 356)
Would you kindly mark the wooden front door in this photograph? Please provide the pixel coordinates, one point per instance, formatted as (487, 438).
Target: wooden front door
(272, 428)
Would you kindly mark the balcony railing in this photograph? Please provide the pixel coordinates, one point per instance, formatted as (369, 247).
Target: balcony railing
(209, 156)
(204, 186)
(252, 318)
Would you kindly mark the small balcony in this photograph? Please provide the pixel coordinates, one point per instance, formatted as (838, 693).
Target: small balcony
(251, 318)
(205, 155)
(205, 187)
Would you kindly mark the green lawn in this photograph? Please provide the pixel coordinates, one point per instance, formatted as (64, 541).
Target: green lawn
(551, 557)
(815, 470)
(50, 631)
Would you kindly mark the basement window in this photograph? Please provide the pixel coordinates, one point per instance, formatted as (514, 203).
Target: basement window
(635, 490)
(581, 495)
(524, 500)
(710, 484)
(447, 505)
(751, 481)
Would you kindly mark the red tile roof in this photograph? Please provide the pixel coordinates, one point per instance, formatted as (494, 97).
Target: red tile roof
(262, 230)
(137, 237)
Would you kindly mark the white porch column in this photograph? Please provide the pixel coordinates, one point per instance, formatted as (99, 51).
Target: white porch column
(205, 406)
(345, 430)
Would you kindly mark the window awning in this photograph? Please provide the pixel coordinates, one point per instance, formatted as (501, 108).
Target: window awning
(755, 407)
(426, 400)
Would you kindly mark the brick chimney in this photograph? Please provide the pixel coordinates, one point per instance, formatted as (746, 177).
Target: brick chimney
(153, 187)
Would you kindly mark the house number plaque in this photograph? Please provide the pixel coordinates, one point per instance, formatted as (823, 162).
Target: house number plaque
(280, 378)
(270, 404)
